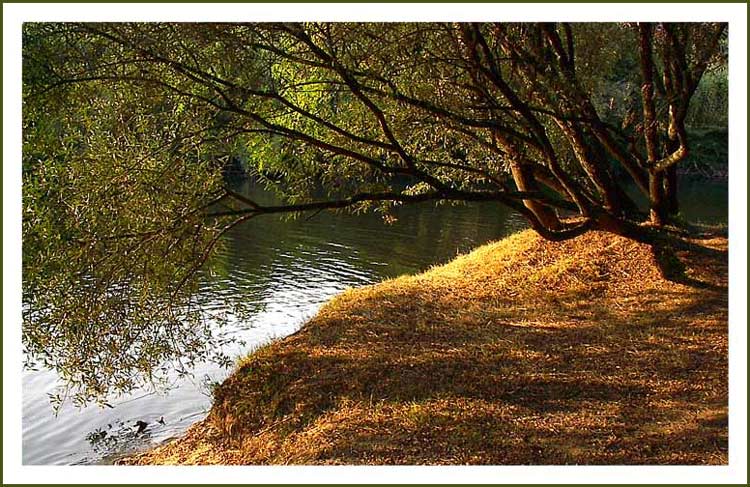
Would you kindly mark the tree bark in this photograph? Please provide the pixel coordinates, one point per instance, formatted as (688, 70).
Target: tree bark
(656, 197)
(617, 200)
(525, 182)
(670, 182)
(672, 205)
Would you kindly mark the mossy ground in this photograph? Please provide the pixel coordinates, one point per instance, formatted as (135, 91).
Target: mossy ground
(521, 352)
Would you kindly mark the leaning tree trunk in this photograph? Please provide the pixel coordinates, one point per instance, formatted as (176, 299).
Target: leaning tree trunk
(525, 182)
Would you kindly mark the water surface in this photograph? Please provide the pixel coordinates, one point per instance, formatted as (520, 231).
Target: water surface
(284, 271)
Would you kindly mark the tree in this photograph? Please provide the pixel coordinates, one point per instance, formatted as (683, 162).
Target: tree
(127, 128)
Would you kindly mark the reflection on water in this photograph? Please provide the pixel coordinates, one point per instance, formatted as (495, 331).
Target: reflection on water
(282, 271)
(703, 202)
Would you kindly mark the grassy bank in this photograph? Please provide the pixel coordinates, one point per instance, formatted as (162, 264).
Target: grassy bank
(521, 352)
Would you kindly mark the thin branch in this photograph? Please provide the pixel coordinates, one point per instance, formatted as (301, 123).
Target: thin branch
(450, 195)
(647, 89)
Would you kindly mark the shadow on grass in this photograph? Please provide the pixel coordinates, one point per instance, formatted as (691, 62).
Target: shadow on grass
(638, 376)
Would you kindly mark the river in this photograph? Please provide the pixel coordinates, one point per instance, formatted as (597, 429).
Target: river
(283, 271)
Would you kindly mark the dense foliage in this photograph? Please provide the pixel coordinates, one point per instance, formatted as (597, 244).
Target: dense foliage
(128, 129)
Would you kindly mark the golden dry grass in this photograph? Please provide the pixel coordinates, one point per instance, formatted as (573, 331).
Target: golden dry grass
(521, 352)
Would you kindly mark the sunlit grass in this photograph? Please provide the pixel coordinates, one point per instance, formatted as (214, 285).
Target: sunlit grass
(521, 352)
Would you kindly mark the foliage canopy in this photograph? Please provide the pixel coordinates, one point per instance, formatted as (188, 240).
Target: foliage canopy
(128, 129)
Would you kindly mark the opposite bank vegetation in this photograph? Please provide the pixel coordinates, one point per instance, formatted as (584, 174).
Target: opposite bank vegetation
(521, 352)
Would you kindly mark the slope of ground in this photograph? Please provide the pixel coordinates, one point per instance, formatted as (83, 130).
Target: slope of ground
(521, 352)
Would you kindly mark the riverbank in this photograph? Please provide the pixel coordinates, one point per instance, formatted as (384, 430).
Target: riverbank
(521, 352)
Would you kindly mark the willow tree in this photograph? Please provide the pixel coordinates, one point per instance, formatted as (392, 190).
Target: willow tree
(127, 128)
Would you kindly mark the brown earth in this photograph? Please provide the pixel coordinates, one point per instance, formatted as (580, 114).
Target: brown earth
(521, 352)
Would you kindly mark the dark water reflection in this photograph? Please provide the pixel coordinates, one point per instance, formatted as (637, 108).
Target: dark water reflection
(282, 271)
(704, 201)
(700, 201)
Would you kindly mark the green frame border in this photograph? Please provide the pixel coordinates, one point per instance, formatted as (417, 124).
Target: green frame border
(638, 2)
